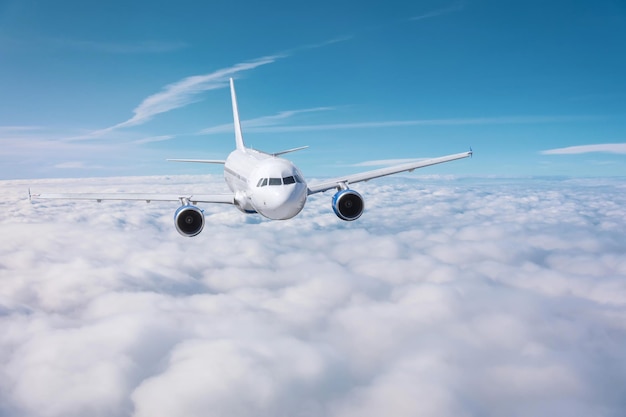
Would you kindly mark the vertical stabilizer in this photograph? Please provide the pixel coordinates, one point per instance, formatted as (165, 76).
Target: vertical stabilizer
(238, 135)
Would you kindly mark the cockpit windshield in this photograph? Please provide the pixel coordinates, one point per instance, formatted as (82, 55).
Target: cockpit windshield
(291, 179)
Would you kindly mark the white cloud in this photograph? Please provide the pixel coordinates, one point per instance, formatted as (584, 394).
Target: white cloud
(448, 297)
(617, 148)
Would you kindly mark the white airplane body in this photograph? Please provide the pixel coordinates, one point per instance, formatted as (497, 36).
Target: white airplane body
(262, 183)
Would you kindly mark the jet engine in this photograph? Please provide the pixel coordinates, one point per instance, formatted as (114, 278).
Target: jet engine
(348, 204)
(189, 220)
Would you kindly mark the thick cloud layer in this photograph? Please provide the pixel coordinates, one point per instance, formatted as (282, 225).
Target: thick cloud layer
(447, 298)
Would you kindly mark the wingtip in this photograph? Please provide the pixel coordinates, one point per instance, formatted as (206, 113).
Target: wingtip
(31, 196)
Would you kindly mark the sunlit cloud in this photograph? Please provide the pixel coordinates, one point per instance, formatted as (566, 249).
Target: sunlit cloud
(616, 148)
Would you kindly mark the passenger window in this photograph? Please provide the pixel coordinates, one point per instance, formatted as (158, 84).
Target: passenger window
(289, 180)
(275, 181)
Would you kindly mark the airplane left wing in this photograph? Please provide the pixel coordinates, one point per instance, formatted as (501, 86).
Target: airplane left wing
(344, 181)
(193, 198)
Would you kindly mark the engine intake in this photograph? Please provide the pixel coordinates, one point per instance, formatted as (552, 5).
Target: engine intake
(189, 220)
(348, 205)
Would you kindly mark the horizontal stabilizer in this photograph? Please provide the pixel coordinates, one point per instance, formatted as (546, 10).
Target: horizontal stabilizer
(200, 161)
(289, 150)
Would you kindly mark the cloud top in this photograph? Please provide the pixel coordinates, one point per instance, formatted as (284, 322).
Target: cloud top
(615, 148)
(448, 297)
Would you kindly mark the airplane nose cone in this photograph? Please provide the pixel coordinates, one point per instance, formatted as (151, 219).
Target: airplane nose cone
(282, 202)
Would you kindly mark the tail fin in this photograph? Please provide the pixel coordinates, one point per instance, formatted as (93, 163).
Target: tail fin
(238, 135)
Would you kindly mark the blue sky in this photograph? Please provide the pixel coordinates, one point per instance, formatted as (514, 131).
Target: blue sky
(103, 89)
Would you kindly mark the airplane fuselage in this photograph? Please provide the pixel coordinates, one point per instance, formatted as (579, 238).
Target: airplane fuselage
(271, 186)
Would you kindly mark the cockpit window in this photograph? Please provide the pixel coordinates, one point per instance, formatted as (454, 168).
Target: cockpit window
(292, 179)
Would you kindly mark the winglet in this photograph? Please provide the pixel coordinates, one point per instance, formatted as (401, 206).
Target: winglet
(32, 196)
(238, 134)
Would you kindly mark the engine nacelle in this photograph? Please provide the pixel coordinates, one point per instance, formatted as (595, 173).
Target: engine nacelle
(189, 220)
(348, 205)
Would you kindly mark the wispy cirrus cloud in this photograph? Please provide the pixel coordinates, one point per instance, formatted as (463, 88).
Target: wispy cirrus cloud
(184, 92)
(320, 44)
(264, 121)
(456, 7)
(615, 148)
(153, 139)
(187, 90)
(501, 120)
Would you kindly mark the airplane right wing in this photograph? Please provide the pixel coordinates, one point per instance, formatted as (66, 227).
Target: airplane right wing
(344, 181)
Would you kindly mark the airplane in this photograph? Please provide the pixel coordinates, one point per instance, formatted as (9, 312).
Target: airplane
(262, 183)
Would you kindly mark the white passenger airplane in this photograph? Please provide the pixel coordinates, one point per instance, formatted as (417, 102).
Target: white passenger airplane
(261, 183)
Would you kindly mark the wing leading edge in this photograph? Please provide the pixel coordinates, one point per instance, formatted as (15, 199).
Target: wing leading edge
(194, 198)
(382, 172)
